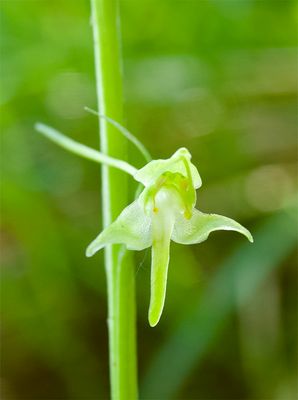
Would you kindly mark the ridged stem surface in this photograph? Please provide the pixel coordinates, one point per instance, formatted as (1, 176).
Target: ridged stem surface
(120, 270)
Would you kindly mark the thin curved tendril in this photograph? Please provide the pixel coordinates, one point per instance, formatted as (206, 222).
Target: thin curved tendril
(132, 138)
(82, 150)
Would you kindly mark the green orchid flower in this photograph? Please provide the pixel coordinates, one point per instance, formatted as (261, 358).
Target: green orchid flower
(164, 211)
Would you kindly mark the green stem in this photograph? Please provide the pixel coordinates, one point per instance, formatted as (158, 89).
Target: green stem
(120, 269)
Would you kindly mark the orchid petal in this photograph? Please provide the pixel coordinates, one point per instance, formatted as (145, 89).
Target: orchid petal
(154, 169)
(200, 225)
(132, 228)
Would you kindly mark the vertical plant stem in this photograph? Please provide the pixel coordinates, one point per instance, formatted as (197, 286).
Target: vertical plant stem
(119, 269)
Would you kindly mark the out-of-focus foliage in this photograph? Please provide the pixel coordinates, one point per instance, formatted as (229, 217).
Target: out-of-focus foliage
(216, 76)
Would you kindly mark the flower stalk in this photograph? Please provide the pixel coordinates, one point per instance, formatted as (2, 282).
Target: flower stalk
(119, 266)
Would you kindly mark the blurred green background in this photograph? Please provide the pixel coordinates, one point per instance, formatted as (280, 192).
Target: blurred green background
(218, 77)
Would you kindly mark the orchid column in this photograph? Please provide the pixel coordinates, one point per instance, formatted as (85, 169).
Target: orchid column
(119, 265)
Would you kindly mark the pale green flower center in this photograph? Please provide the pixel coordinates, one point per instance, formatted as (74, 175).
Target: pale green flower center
(171, 191)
